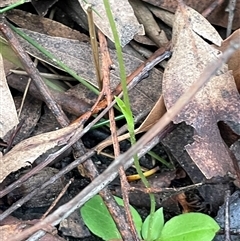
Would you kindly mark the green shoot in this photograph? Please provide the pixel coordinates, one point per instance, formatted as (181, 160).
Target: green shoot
(125, 105)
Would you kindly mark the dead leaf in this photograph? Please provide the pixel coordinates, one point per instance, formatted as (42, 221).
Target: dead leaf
(44, 25)
(218, 100)
(218, 17)
(8, 113)
(26, 152)
(125, 20)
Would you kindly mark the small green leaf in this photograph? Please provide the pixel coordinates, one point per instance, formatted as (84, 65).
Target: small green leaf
(189, 227)
(156, 227)
(126, 112)
(99, 221)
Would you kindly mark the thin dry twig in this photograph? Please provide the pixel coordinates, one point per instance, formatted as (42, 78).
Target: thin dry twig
(227, 236)
(58, 198)
(230, 9)
(106, 65)
(211, 7)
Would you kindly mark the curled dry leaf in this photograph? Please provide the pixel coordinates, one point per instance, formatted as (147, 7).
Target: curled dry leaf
(8, 113)
(27, 151)
(218, 17)
(217, 100)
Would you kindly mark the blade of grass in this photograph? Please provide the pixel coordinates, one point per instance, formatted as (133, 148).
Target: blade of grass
(128, 111)
(12, 6)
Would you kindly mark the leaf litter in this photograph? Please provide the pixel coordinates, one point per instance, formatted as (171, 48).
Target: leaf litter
(214, 103)
(218, 99)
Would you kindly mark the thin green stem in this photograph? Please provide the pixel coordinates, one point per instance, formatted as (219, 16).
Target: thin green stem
(163, 161)
(12, 6)
(128, 107)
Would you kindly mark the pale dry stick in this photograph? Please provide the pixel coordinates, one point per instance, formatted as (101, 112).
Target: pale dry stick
(58, 198)
(45, 75)
(230, 9)
(94, 45)
(227, 236)
(145, 17)
(126, 159)
(106, 64)
(26, 90)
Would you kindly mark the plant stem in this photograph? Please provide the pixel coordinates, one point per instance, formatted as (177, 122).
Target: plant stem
(128, 107)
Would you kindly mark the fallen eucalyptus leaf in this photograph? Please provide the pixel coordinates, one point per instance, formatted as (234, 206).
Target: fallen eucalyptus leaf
(27, 151)
(217, 100)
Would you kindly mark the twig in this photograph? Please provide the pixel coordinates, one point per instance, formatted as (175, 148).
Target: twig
(230, 9)
(94, 44)
(227, 236)
(106, 64)
(211, 7)
(58, 198)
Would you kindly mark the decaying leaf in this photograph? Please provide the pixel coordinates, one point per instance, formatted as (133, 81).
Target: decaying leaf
(8, 113)
(27, 151)
(218, 99)
(218, 17)
(44, 25)
(126, 22)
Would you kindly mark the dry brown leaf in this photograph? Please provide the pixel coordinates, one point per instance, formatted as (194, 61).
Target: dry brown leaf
(126, 22)
(218, 100)
(8, 113)
(27, 151)
(156, 113)
(44, 25)
(219, 16)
